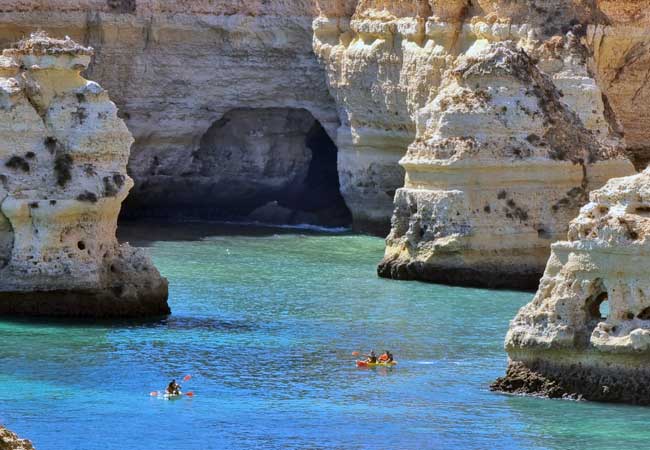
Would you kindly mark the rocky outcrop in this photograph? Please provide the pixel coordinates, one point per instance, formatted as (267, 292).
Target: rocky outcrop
(11, 441)
(587, 331)
(498, 168)
(486, 190)
(386, 61)
(63, 178)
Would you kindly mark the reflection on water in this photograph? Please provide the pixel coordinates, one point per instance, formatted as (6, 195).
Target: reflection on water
(266, 324)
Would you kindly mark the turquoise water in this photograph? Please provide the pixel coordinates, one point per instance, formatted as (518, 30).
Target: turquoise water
(266, 323)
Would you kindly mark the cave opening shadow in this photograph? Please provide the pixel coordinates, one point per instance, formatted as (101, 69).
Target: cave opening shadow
(318, 199)
(269, 165)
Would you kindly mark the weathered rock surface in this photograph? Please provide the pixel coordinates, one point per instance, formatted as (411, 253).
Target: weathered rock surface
(11, 441)
(386, 61)
(490, 181)
(587, 331)
(620, 49)
(177, 70)
(63, 154)
(498, 168)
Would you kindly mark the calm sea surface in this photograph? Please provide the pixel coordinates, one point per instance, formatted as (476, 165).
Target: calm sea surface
(265, 321)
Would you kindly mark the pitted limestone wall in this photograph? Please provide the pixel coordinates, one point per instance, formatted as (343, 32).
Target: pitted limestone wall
(63, 178)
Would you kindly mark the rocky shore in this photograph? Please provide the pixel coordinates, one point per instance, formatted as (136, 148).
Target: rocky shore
(11, 441)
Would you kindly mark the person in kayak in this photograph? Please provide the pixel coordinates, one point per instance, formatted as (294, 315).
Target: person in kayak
(386, 357)
(372, 357)
(173, 388)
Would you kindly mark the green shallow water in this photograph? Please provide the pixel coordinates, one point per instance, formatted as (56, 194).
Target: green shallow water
(265, 321)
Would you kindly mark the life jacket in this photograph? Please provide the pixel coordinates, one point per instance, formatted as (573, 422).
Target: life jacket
(383, 357)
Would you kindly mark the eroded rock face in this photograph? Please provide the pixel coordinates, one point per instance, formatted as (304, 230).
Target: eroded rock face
(63, 178)
(587, 331)
(620, 48)
(386, 61)
(482, 163)
(11, 441)
(177, 68)
(498, 169)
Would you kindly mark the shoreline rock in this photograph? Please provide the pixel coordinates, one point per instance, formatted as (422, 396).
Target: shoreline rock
(10, 441)
(63, 155)
(574, 380)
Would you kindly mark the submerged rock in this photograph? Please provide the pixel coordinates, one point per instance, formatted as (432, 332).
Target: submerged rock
(587, 330)
(63, 154)
(499, 167)
(11, 441)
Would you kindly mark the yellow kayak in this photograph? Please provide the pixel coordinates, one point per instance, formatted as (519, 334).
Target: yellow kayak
(377, 364)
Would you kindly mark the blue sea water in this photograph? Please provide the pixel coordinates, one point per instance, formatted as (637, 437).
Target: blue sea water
(265, 322)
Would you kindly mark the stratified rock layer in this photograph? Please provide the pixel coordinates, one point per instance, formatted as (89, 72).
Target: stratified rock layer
(498, 169)
(63, 155)
(11, 441)
(587, 331)
(498, 162)
(176, 68)
(386, 61)
(180, 69)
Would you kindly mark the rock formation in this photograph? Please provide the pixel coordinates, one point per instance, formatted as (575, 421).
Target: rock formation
(361, 69)
(497, 170)
(11, 441)
(178, 70)
(386, 61)
(482, 215)
(63, 178)
(587, 331)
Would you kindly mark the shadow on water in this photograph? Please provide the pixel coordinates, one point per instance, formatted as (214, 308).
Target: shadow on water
(171, 323)
(143, 234)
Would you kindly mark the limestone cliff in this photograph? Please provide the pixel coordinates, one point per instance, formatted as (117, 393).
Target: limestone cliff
(620, 48)
(587, 331)
(498, 168)
(387, 60)
(63, 178)
(361, 69)
(180, 72)
(486, 192)
(10, 441)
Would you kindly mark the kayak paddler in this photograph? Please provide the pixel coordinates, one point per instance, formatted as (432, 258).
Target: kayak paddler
(386, 357)
(372, 357)
(173, 388)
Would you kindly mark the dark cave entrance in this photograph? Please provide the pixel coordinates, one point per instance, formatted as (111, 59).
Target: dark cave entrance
(267, 165)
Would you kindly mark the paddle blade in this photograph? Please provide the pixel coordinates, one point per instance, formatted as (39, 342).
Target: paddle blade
(355, 353)
(187, 377)
(154, 394)
(190, 394)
